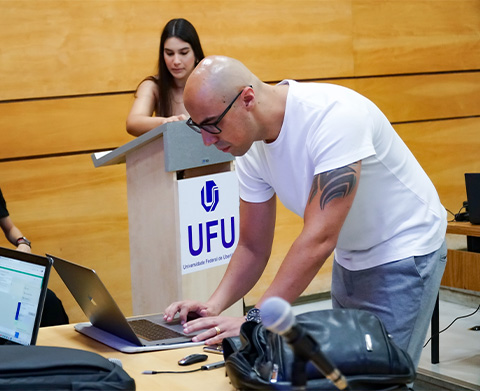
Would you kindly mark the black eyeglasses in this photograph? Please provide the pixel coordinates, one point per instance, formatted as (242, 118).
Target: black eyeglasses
(212, 127)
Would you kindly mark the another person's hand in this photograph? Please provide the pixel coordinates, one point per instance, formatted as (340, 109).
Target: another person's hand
(216, 328)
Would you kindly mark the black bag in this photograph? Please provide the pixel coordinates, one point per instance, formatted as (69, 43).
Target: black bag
(49, 368)
(262, 360)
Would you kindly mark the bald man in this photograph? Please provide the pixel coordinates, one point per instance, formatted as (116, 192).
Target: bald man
(332, 157)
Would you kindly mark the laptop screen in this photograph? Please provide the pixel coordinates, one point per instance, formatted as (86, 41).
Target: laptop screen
(23, 285)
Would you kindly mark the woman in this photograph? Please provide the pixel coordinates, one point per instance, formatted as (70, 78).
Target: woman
(162, 95)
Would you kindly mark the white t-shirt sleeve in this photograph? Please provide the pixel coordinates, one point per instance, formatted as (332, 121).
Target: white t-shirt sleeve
(252, 186)
(344, 136)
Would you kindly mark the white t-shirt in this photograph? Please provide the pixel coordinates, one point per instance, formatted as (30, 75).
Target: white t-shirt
(396, 212)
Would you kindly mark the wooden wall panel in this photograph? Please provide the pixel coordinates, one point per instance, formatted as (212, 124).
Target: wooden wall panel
(52, 126)
(98, 122)
(415, 36)
(423, 97)
(303, 39)
(105, 46)
(68, 208)
(446, 150)
(110, 45)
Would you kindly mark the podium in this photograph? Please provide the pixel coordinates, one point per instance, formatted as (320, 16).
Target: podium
(159, 165)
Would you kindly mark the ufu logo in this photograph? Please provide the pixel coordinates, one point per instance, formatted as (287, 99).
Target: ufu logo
(209, 195)
(209, 231)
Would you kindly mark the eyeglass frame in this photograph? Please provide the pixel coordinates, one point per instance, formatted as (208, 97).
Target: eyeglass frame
(198, 128)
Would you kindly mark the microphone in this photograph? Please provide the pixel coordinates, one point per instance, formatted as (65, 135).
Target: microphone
(277, 316)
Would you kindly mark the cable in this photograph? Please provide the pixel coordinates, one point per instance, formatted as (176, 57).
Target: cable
(459, 216)
(206, 367)
(157, 372)
(460, 317)
(453, 214)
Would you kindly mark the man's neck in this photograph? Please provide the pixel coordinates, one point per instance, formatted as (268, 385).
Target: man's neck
(276, 99)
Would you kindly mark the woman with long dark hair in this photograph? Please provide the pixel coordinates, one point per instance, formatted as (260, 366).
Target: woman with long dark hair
(159, 98)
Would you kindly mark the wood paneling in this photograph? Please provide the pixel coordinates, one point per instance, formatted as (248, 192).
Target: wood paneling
(43, 127)
(110, 45)
(446, 150)
(68, 208)
(423, 97)
(98, 122)
(415, 36)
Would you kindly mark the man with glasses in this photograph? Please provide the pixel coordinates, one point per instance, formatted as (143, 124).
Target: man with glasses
(332, 157)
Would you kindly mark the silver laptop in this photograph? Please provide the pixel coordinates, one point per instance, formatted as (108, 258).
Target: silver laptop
(107, 322)
(23, 286)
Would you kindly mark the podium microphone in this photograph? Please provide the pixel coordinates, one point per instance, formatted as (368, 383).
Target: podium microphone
(277, 316)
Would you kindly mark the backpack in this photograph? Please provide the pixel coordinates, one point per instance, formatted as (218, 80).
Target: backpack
(48, 368)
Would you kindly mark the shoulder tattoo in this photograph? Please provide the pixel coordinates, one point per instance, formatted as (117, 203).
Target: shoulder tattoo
(333, 184)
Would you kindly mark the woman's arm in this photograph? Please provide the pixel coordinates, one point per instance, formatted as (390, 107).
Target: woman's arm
(140, 119)
(12, 233)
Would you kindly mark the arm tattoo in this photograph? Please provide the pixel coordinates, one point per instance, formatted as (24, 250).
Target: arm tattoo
(333, 184)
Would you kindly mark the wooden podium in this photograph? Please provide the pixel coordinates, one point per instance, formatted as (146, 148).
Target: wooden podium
(155, 163)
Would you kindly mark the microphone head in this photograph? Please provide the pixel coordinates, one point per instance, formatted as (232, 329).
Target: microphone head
(277, 315)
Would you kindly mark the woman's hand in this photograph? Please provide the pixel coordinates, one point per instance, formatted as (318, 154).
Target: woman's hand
(173, 118)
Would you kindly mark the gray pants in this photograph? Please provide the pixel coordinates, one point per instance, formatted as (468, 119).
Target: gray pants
(401, 293)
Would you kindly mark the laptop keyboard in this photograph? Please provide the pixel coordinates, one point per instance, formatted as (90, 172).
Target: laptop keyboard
(152, 331)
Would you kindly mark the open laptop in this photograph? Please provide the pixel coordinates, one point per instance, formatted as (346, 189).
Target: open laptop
(472, 184)
(23, 287)
(107, 322)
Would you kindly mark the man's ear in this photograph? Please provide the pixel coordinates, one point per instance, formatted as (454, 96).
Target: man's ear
(248, 97)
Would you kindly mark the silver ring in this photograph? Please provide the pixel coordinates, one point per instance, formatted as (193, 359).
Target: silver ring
(217, 330)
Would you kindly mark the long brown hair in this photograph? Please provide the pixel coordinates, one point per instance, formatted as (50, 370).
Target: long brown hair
(184, 30)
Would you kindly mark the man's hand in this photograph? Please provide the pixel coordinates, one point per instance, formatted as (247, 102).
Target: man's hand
(187, 308)
(216, 328)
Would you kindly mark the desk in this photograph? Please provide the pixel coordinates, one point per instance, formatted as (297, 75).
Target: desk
(463, 267)
(463, 228)
(462, 271)
(135, 364)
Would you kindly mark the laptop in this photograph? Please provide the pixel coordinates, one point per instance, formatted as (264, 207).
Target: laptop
(23, 287)
(472, 184)
(107, 322)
